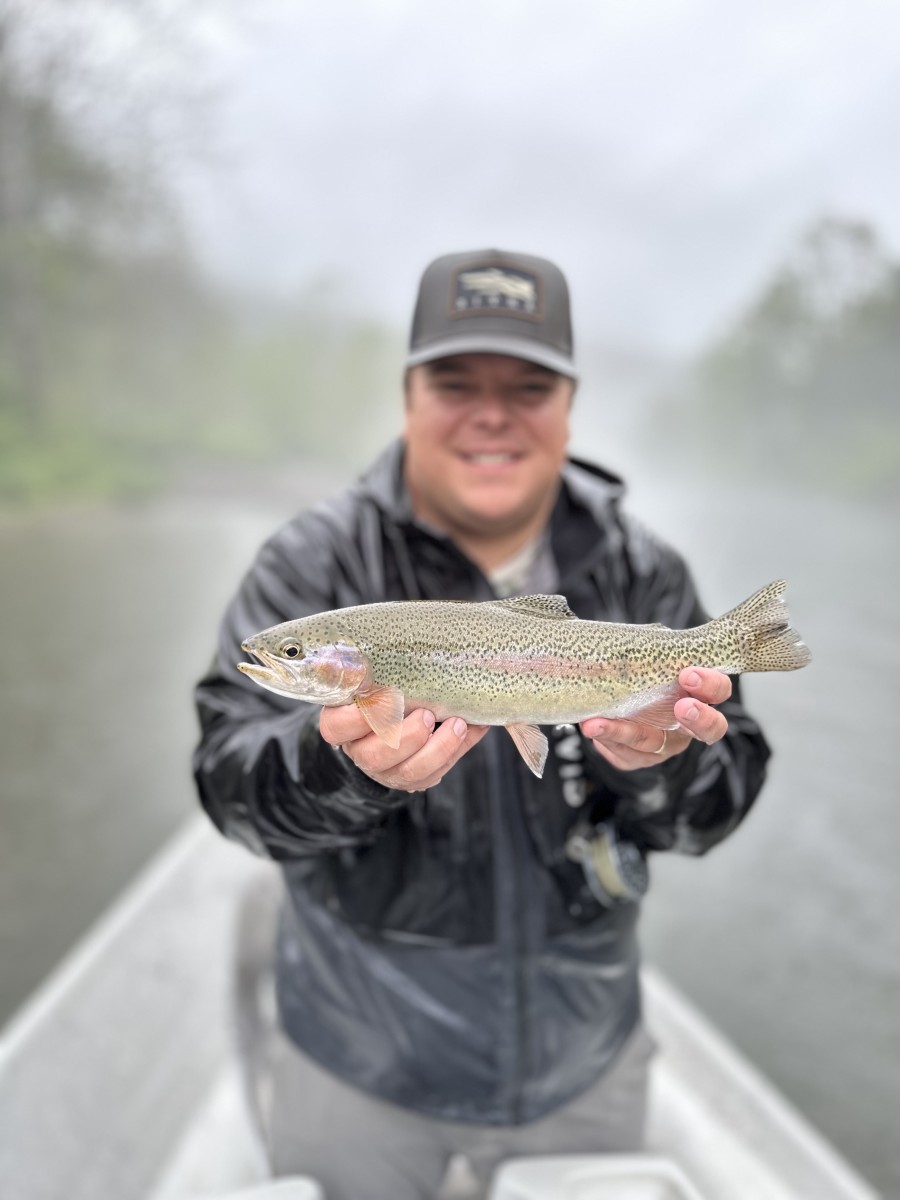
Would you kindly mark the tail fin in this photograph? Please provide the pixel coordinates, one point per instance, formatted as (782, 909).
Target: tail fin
(768, 643)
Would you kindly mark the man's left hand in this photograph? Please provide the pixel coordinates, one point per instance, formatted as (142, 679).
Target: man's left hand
(628, 745)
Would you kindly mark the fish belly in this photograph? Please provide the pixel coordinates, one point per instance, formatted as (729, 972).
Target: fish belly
(501, 695)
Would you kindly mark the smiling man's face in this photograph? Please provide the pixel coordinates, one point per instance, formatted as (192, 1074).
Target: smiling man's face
(486, 436)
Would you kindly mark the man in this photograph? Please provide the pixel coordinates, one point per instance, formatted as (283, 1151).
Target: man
(457, 967)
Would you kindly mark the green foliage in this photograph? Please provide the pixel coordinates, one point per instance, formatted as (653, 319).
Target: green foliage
(146, 373)
(49, 468)
(805, 386)
(300, 384)
(119, 364)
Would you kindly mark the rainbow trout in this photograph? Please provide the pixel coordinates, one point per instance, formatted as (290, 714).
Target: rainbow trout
(519, 663)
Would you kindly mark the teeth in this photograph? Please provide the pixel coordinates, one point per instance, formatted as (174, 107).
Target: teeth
(490, 460)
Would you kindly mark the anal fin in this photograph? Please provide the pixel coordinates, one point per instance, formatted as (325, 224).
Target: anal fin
(531, 744)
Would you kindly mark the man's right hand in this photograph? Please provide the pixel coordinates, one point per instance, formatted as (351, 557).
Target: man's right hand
(425, 753)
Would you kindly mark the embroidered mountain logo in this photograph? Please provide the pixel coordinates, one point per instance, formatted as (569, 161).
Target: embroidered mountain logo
(496, 290)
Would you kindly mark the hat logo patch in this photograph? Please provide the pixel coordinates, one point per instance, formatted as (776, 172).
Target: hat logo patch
(494, 289)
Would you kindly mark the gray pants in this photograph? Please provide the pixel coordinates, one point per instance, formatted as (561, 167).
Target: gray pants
(357, 1146)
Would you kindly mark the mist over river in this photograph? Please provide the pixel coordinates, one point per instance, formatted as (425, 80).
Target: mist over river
(785, 935)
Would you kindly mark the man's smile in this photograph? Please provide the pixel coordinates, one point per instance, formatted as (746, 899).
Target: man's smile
(491, 458)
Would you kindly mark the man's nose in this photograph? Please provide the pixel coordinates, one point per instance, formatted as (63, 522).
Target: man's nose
(492, 409)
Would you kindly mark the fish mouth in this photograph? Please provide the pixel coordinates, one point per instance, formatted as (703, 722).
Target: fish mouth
(272, 669)
(261, 675)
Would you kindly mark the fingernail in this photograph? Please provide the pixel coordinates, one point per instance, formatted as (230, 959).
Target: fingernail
(427, 718)
(459, 727)
(692, 713)
(693, 680)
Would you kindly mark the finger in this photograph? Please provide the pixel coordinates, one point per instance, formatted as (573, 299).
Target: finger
(629, 735)
(415, 766)
(624, 760)
(472, 736)
(629, 745)
(372, 753)
(449, 742)
(700, 720)
(343, 723)
(712, 687)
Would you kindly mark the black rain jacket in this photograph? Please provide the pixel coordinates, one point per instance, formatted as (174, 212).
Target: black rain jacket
(440, 949)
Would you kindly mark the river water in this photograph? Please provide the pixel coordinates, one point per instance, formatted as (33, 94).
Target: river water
(785, 934)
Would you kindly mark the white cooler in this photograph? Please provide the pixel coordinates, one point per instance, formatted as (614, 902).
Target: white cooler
(592, 1177)
(298, 1188)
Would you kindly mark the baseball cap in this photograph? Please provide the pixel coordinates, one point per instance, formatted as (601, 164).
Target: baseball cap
(493, 302)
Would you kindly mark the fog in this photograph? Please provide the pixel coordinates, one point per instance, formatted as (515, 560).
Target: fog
(666, 154)
(212, 223)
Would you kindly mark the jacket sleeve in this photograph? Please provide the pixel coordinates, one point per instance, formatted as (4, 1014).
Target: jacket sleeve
(263, 772)
(694, 800)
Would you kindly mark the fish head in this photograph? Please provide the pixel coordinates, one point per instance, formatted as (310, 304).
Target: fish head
(292, 664)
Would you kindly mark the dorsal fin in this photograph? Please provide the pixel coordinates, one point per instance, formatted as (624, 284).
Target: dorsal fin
(554, 608)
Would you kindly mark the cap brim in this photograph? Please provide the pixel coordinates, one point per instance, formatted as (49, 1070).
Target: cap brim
(544, 356)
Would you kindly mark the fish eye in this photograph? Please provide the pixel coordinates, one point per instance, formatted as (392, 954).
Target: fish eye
(290, 650)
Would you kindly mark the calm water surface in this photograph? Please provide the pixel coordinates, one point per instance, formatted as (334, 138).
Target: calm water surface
(785, 934)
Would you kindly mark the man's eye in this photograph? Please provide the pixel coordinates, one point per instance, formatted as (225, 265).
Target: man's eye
(453, 391)
(533, 393)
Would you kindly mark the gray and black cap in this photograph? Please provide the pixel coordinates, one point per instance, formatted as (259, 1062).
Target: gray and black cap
(493, 302)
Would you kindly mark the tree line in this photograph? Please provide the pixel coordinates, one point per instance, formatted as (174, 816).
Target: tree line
(804, 386)
(121, 364)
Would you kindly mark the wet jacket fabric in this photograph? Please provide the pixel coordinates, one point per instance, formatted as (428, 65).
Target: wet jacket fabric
(440, 949)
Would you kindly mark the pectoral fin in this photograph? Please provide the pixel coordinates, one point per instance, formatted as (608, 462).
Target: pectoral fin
(383, 710)
(531, 744)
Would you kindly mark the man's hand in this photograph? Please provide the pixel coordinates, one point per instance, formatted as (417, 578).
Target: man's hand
(423, 758)
(629, 745)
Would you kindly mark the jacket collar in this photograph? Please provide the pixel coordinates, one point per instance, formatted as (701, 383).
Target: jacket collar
(383, 482)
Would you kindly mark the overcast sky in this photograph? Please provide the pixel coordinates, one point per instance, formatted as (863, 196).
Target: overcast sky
(665, 153)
